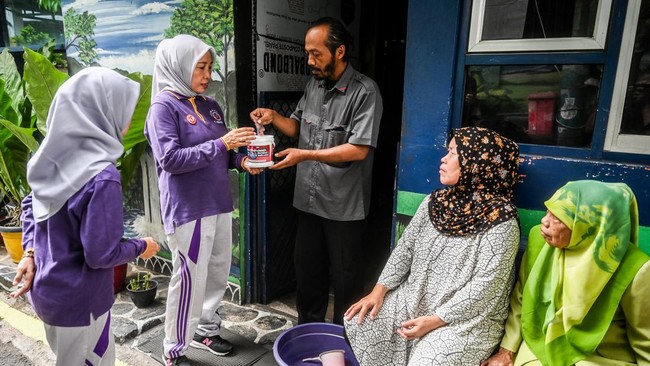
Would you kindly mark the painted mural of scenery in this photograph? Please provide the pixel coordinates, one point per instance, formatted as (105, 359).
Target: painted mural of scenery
(123, 34)
(116, 34)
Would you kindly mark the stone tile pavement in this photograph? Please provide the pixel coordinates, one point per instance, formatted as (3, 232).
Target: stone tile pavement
(257, 323)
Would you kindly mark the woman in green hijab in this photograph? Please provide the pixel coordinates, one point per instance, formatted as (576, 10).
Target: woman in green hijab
(584, 285)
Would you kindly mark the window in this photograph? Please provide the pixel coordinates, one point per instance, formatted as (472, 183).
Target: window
(535, 104)
(541, 73)
(538, 25)
(629, 120)
(24, 23)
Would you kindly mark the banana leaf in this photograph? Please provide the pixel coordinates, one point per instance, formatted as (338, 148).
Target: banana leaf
(42, 80)
(134, 142)
(13, 83)
(129, 162)
(25, 135)
(13, 152)
(135, 135)
(13, 167)
(6, 105)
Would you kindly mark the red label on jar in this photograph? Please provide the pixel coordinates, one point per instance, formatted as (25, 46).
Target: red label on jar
(260, 154)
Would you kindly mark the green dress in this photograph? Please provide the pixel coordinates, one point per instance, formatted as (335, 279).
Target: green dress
(627, 341)
(582, 303)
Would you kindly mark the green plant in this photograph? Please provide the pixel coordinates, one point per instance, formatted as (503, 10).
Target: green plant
(30, 36)
(21, 127)
(134, 142)
(140, 284)
(57, 58)
(24, 105)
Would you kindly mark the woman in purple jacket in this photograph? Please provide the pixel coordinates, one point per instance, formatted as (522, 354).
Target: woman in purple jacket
(73, 218)
(193, 150)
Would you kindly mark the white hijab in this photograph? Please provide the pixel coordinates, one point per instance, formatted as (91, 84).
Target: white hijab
(84, 125)
(174, 65)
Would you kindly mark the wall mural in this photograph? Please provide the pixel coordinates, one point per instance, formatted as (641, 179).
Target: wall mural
(123, 35)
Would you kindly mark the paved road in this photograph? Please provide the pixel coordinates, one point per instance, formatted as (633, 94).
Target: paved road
(22, 333)
(12, 355)
(23, 343)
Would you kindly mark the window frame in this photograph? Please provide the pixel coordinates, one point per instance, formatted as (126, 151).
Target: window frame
(597, 42)
(614, 140)
(608, 57)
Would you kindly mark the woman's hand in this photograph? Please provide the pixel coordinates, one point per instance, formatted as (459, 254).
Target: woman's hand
(502, 358)
(368, 305)
(151, 249)
(239, 137)
(25, 271)
(419, 327)
(250, 170)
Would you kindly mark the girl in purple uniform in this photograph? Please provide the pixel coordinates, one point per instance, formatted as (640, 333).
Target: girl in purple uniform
(73, 218)
(193, 150)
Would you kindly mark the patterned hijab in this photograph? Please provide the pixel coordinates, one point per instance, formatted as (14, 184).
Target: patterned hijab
(482, 197)
(84, 125)
(174, 64)
(571, 294)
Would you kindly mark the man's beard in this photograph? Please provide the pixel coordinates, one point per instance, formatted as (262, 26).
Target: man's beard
(326, 72)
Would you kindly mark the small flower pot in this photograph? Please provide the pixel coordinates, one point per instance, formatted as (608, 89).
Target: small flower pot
(12, 237)
(142, 297)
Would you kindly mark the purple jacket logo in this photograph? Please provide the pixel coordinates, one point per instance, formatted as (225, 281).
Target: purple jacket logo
(216, 116)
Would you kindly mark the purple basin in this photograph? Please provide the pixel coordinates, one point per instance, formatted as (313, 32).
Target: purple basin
(310, 340)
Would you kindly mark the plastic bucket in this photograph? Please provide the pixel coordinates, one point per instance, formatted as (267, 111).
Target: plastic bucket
(302, 343)
(260, 151)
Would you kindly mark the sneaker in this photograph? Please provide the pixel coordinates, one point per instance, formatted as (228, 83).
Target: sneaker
(215, 344)
(178, 361)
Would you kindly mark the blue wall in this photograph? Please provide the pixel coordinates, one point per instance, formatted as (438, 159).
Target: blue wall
(428, 81)
(432, 39)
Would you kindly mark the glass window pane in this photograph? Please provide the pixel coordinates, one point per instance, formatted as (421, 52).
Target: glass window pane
(636, 113)
(29, 25)
(535, 104)
(526, 19)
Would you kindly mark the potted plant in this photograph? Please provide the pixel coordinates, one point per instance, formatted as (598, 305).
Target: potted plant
(21, 131)
(142, 289)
